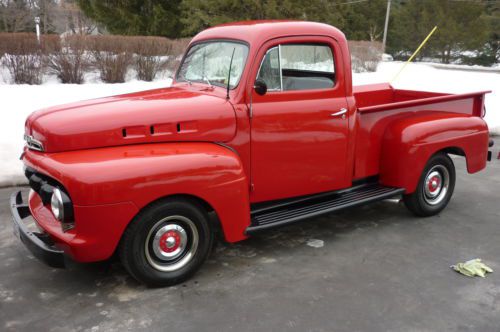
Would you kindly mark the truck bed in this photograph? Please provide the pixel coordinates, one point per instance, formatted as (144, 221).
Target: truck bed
(380, 104)
(380, 97)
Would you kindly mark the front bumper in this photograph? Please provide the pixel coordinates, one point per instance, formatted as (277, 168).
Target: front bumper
(39, 244)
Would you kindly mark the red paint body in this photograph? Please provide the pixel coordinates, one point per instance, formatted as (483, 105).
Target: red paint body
(191, 140)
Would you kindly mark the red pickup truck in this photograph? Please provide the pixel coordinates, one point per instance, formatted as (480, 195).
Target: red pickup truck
(260, 128)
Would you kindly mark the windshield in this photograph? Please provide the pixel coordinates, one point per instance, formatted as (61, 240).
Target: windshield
(209, 63)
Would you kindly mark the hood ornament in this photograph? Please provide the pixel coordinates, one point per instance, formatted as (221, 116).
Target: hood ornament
(33, 144)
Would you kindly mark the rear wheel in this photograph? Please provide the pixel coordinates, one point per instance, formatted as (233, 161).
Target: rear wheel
(167, 242)
(435, 187)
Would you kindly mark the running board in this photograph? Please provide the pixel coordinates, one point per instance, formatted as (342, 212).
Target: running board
(283, 214)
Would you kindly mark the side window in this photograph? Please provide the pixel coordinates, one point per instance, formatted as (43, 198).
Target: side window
(298, 67)
(269, 70)
(307, 67)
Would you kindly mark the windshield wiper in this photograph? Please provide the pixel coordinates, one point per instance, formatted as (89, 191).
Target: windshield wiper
(206, 80)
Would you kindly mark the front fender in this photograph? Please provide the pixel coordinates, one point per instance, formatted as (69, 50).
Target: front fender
(408, 143)
(144, 173)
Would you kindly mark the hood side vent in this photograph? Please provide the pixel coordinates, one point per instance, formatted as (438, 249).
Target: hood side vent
(162, 129)
(135, 132)
(186, 127)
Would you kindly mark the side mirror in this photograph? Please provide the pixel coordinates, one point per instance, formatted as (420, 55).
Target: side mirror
(260, 87)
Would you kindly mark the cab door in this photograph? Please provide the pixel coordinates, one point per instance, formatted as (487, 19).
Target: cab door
(299, 127)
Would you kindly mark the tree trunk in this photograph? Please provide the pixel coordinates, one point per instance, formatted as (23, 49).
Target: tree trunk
(448, 54)
(44, 16)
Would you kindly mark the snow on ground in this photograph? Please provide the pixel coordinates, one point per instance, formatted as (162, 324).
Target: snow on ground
(18, 101)
(427, 77)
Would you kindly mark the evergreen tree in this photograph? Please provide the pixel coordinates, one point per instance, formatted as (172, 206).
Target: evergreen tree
(490, 53)
(364, 20)
(135, 17)
(200, 14)
(460, 24)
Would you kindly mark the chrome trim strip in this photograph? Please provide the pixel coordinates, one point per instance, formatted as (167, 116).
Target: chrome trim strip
(279, 63)
(281, 67)
(227, 147)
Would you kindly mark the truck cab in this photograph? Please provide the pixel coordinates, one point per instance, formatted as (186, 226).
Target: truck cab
(261, 127)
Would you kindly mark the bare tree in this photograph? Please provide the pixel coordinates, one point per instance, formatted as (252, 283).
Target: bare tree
(73, 20)
(15, 16)
(46, 10)
(56, 16)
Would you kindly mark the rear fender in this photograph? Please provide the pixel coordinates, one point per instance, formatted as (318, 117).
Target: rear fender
(145, 173)
(408, 143)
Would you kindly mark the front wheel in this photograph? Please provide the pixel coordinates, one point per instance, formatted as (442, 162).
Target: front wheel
(435, 187)
(167, 242)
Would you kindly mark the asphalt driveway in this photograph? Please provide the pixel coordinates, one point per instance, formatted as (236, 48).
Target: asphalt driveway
(375, 268)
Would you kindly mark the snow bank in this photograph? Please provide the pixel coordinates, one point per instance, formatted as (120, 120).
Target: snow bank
(18, 101)
(451, 80)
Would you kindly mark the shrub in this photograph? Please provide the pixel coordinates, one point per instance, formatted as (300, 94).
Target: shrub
(50, 44)
(71, 60)
(70, 57)
(177, 49)
(365, 55)
(154, 55)
(111, 56)
(22, 57)
(18, 43)
(24, 68)
(151, 56)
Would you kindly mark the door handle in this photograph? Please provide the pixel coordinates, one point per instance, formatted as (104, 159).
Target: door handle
(342, 112)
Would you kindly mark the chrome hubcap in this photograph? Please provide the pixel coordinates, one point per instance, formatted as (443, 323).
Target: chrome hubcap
(171, 243)
(436, 185)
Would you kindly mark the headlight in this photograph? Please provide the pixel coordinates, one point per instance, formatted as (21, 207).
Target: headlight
(57, 204)
(62, 208)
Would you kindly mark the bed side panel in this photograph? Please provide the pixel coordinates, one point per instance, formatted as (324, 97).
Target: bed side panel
(373, 94)
(372, 125)
(409, 143)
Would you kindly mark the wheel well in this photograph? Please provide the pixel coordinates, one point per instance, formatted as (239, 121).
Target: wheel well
(211, 213)
(452, 150)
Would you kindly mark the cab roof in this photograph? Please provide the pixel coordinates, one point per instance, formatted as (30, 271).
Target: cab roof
(258, 32)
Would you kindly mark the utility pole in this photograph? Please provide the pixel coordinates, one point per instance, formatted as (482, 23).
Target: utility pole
(386, 25)
(37, 25)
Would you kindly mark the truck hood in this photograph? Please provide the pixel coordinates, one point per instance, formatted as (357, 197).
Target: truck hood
(162, 115)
